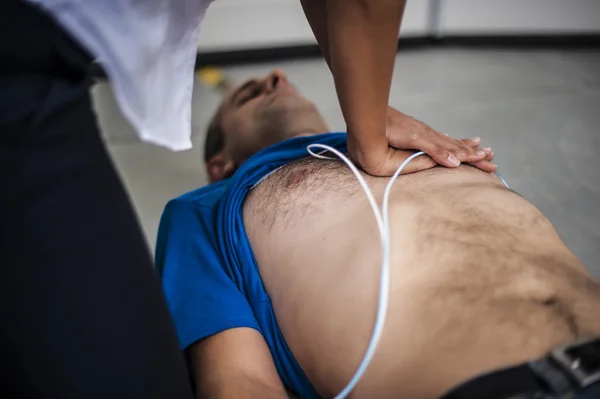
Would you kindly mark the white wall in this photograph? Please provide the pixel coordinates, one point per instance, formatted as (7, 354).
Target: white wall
(519, 16)
(242, 24)
(245, 24)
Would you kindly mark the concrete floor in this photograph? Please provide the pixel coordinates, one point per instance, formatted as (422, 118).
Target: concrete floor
(538, 110)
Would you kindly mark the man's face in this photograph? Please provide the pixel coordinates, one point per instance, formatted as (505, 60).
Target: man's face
(260, 113)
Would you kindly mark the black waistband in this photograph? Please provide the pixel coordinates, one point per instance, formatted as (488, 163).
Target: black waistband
(566, 368)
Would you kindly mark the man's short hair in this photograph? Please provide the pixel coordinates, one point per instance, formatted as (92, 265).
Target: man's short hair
(215, 140)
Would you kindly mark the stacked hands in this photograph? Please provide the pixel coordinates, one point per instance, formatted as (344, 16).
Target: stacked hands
(406, 134)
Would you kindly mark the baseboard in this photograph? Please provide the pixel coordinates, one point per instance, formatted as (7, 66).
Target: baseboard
(533, 41)
(253, 56)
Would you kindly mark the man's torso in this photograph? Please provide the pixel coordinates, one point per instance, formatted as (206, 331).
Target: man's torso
(479, 277)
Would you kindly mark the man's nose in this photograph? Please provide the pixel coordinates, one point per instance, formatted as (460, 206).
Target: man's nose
(275, 78)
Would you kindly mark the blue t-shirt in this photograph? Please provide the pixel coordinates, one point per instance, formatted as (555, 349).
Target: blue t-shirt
(209, 275)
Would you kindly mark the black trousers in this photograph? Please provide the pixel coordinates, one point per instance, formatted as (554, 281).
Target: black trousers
(82, 311)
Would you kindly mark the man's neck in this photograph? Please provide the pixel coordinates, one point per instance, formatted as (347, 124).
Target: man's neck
(304, 132)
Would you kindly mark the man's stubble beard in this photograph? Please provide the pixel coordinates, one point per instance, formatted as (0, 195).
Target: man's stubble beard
(280, 122)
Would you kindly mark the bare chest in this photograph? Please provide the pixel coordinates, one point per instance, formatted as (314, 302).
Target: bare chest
(317, 247)
(303, 189)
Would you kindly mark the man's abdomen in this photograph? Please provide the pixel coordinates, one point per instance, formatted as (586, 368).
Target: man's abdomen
(479, 278)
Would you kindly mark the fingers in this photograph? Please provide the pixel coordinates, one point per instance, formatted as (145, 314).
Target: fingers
(439, 153)
(406, 132)
(486, 165)
(395, 158)
(480, 158)
(450, 152)
(386, 165)
(466, 150)
(424, 162)
(475, 142)
(490, 154)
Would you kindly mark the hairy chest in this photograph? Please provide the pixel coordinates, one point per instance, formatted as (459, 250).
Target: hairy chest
(303, 189)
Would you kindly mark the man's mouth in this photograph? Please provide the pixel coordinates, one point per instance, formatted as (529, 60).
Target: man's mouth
(287, 90)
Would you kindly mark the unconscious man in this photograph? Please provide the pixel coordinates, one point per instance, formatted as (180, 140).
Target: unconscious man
(272, 273)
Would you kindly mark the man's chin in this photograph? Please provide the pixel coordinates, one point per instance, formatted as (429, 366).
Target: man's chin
(290, 117)
(293, 133)
(287, 100)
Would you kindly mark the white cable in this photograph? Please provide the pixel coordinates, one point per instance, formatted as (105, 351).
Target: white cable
(384, 231)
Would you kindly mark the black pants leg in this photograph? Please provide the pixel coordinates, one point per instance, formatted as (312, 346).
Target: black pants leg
(81, 308)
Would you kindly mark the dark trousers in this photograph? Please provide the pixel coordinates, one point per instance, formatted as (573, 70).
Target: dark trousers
(82, 311)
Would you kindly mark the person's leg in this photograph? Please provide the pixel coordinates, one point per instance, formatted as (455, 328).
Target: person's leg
(82, 311)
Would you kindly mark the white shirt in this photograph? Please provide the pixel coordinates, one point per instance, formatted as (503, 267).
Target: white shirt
(148, 49)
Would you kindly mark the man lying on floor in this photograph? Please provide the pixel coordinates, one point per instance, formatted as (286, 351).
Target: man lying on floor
(272, 273)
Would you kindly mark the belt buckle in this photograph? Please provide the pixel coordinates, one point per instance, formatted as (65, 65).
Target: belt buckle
(571, 364)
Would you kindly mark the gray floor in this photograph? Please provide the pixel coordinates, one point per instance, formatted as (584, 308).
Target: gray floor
(539, 110)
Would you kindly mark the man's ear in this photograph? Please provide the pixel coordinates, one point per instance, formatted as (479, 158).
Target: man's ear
(220, 167)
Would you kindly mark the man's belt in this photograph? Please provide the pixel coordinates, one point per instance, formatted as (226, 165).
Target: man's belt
(567, 368)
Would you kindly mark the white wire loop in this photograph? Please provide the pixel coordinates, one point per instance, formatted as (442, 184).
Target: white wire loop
(384, 231)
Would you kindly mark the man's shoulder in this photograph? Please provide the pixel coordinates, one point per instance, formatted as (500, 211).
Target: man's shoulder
(191, 213)
(188, 221)
(203, 197)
